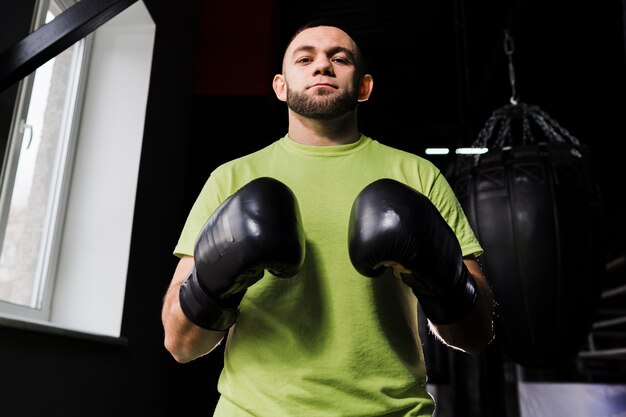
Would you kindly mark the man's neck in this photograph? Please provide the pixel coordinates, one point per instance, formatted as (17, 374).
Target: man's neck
(340, 131)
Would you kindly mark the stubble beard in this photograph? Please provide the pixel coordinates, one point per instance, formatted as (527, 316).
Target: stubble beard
(322, 105)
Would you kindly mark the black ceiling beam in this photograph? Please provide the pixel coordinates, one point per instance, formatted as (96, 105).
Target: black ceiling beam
(51, 39)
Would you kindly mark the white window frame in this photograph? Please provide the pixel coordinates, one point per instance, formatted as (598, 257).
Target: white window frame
(49, 256)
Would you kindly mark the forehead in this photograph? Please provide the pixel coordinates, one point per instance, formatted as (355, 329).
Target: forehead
(321, 37)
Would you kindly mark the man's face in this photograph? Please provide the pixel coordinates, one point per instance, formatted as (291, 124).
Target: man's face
(319, 73)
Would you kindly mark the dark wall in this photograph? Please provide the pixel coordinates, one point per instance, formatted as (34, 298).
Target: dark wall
(158, 385)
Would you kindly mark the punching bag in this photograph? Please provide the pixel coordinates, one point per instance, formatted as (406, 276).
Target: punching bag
(534, 203)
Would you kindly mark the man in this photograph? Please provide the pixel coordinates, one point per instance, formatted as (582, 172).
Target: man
(313, 252)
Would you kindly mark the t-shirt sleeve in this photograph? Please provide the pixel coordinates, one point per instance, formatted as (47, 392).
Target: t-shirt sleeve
(443, 196)
(207, 201)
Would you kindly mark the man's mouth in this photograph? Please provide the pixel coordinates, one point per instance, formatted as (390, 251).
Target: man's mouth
(322, 85)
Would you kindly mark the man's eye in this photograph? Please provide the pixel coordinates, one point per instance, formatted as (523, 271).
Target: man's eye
(303, 60)
(340, 60)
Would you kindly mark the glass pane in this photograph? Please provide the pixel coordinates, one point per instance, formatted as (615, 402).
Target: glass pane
(33, 211)
(51, 9)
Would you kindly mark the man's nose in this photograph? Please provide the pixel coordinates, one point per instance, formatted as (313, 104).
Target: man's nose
(323, 66)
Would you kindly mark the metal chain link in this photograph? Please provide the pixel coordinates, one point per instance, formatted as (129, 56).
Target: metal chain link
(501, 120)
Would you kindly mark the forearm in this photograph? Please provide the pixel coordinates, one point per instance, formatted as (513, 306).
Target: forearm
(474, 332)
(184, 340)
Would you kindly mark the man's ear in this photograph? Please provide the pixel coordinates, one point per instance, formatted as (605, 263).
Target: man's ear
(280, 88)
(365, 87)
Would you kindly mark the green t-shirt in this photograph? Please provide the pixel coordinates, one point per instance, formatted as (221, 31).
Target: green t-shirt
(328, 342)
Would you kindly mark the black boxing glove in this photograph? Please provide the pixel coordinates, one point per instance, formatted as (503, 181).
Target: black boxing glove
(394, 225)
(257, 228)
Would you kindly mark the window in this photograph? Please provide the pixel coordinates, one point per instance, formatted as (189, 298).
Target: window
(69, 181)
(35, 176)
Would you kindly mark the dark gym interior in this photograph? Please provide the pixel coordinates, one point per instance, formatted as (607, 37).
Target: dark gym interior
(440, 71)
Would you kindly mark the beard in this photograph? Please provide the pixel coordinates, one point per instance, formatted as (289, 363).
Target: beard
(322, 105)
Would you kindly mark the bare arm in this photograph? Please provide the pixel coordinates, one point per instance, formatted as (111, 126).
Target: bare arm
(474, 332)
(183, 339)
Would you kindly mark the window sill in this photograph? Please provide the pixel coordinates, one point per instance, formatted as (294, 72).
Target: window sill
(47, 328)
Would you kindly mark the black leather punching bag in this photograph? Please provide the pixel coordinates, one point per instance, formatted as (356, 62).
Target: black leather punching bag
(535, 205)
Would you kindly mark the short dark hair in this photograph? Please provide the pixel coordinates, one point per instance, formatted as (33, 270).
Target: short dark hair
(322, 22)
(361, 64)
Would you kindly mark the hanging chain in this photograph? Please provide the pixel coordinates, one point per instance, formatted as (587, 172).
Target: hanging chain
(497, 131)
(509, 48)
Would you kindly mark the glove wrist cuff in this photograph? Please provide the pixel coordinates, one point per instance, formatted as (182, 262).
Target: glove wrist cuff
(454, 306)
(202, 310)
